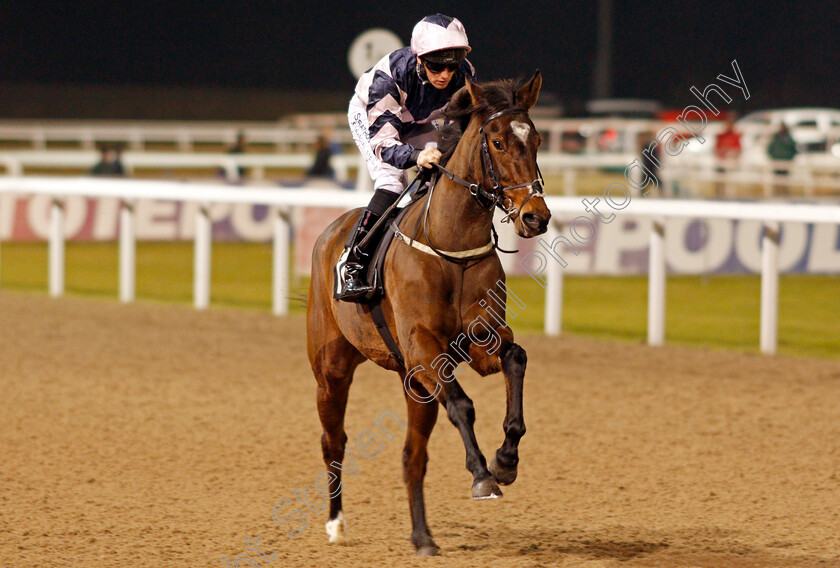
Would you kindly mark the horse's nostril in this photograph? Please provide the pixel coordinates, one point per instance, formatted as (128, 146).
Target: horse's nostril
(533, 220)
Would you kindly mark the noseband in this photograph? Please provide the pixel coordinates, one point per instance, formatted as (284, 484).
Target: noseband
(496, 195)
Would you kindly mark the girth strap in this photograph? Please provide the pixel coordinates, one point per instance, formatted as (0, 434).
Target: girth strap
(384, 332)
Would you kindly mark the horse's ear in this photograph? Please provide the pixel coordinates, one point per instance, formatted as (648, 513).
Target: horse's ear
(527, 95)
(476, 92)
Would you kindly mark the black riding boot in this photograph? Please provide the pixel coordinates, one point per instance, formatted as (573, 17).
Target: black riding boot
(351, 269)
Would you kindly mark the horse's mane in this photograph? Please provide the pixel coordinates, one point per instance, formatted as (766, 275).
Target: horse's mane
(498, 95)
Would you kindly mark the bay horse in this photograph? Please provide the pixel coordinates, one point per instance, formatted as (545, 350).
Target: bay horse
(434, 294)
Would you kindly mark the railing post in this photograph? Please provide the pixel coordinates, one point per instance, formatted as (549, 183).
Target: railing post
(184, 141)
(14, 167)
(231, 168)
(56, 249)
(39, 140)
(363, 181)
(769, 288)
(201, 276)
(280, 263)
(128, 262)
(569, 175)
(769, 180)
(340, 167)
(554, 289)
(656, 284)
(555, 138)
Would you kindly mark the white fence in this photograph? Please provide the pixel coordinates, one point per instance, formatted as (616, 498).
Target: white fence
(770, 214)
(184, 134)
(282, 200)
(16, 162)
(683, 174)
(297, 135)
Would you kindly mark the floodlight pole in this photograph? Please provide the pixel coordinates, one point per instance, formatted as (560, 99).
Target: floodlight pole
(602, 76)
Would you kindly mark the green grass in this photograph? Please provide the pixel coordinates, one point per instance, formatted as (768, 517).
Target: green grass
(709, 311)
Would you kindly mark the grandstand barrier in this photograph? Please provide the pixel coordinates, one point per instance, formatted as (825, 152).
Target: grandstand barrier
(283, 201)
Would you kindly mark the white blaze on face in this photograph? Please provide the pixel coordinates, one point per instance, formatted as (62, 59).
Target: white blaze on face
(521, 130)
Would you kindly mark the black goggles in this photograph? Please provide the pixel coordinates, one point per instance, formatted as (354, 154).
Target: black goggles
(439, 67)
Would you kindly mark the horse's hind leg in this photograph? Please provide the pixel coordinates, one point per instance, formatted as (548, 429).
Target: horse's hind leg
(421, 421)
(334, 373)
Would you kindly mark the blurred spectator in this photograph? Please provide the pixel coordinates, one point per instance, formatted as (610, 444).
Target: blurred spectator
(782, 148)
(109, 162)
(237, 148)
(321, 165)
(651, 156)
(572, 142)
(728, 143)
(728, 151)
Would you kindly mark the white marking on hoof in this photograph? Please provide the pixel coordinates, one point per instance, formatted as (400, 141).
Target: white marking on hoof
(521, 130)
(337, 529)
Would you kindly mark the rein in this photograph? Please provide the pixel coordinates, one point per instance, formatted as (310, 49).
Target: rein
(486, 199)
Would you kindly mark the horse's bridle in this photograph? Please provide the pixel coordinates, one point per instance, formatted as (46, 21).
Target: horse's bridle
(496, 195)
(486, 199)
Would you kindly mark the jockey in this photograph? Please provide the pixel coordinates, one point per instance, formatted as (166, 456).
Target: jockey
(394, 116)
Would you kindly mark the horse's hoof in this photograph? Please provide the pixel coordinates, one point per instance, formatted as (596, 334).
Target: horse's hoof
(486, 489)
(337, 529)
(431, 550)
(503, 475)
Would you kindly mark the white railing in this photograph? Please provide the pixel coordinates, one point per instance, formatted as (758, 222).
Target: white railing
(16, 162)
(296, 133)
(185, 134)
(686, 171)
(283, 200)
(770, 214)
(807, 171)
(129, 191)
(300, 132)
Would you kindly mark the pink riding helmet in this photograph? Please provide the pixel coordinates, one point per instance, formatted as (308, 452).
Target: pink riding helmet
(437, 33)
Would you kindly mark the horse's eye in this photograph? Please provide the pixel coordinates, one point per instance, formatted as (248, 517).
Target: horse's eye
(497, 144)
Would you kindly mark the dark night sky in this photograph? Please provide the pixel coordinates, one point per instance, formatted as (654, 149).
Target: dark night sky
(788, 52)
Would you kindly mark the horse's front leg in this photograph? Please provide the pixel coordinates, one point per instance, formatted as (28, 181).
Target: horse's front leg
(489, 355)
(426, 348)
(503, 465)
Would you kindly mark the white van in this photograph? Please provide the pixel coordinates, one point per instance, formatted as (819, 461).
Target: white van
(811, 128)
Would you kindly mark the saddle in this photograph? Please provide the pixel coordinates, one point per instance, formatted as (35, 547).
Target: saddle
(376, 270)
(376, 267)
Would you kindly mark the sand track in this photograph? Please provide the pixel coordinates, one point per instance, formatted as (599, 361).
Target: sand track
(154, 435)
